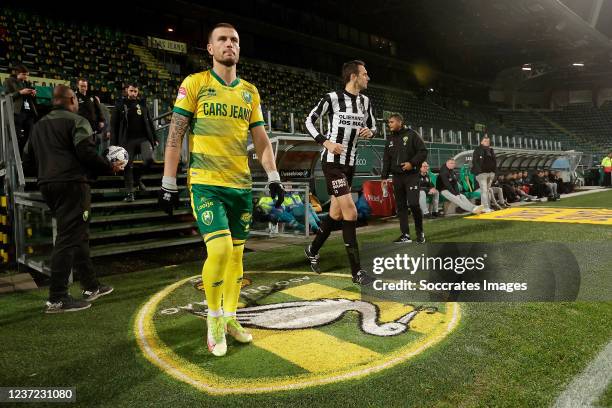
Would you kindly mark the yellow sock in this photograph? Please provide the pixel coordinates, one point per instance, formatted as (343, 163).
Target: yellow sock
(219, 249)
(233, 279)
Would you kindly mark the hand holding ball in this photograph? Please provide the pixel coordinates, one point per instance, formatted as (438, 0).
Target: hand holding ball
(117, 155)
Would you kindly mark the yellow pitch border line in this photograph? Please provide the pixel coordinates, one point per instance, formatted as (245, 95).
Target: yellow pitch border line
(163, 357)
(601, 216)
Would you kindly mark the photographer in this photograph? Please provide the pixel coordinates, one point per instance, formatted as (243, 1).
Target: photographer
(23, 94)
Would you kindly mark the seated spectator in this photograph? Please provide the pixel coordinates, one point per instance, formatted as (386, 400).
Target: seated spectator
(509, 190)
(555, 178)
(496, 196)
(519, 190)
(498, 192)
(427, 188)
(552, 185)
(291, 212)
(294, 204)
(526, 185)
(447, 184)
(563, 186)
(541, 186)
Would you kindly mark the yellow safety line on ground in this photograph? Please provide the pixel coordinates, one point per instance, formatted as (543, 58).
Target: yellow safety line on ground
(598, 216)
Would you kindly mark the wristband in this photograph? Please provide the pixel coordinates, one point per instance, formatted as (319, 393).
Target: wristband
(169, 183)
(273, 176)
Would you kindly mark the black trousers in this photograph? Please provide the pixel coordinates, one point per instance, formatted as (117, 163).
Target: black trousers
(70, 205)
(607, 179)
(134, 146)
(406, 192)
(542, 190)
(24, 121)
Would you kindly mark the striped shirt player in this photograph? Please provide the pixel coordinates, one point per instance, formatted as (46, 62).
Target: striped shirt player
(350, 118)
(347, 114)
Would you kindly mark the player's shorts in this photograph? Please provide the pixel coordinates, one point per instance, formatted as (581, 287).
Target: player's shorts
(338, 177)
(219, 208)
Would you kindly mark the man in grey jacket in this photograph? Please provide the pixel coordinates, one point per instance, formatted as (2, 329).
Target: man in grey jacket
(62, 151)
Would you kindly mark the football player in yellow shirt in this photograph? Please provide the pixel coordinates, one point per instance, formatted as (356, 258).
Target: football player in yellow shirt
(219, 109)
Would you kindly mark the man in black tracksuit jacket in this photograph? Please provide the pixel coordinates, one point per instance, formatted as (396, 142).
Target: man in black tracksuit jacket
(404, 153)
(89, 106)
(132, 128)
(63, 151)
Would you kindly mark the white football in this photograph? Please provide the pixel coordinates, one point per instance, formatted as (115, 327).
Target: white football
(117, 153)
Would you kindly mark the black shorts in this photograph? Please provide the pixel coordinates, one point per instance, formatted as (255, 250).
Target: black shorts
(338, 177)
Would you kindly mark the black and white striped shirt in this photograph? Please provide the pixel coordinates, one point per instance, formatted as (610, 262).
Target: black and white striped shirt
(347, 113)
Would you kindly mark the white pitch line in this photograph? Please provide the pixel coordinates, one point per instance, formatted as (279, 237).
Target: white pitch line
(588, 386)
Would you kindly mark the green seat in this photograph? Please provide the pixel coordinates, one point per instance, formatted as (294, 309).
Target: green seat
(434, 177)
(467, 189)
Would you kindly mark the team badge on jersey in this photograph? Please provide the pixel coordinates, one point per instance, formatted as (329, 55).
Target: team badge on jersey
(247, 97)
(182, 93)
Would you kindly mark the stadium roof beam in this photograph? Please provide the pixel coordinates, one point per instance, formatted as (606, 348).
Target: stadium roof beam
(595, 11)
(575, 18)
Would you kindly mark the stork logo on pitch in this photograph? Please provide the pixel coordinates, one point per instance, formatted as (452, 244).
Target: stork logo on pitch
(307, 329)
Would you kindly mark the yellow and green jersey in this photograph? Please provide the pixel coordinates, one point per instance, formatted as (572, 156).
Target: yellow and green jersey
(221, 116)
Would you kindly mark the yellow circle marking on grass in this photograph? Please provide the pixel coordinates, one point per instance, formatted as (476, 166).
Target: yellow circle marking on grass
(162, 356)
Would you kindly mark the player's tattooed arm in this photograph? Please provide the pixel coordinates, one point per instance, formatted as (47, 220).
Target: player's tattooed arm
(178, 127)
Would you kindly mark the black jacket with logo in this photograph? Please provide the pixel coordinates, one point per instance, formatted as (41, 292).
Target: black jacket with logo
(120, 123)
(62, 149)
(89, 108)
(483, 160)
(425, 183)
(447, 180)
(403, 146)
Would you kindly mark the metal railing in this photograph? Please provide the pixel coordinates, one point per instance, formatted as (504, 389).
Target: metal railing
(430, 134)
(12, 168)
(34, 226)
(9, 150)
